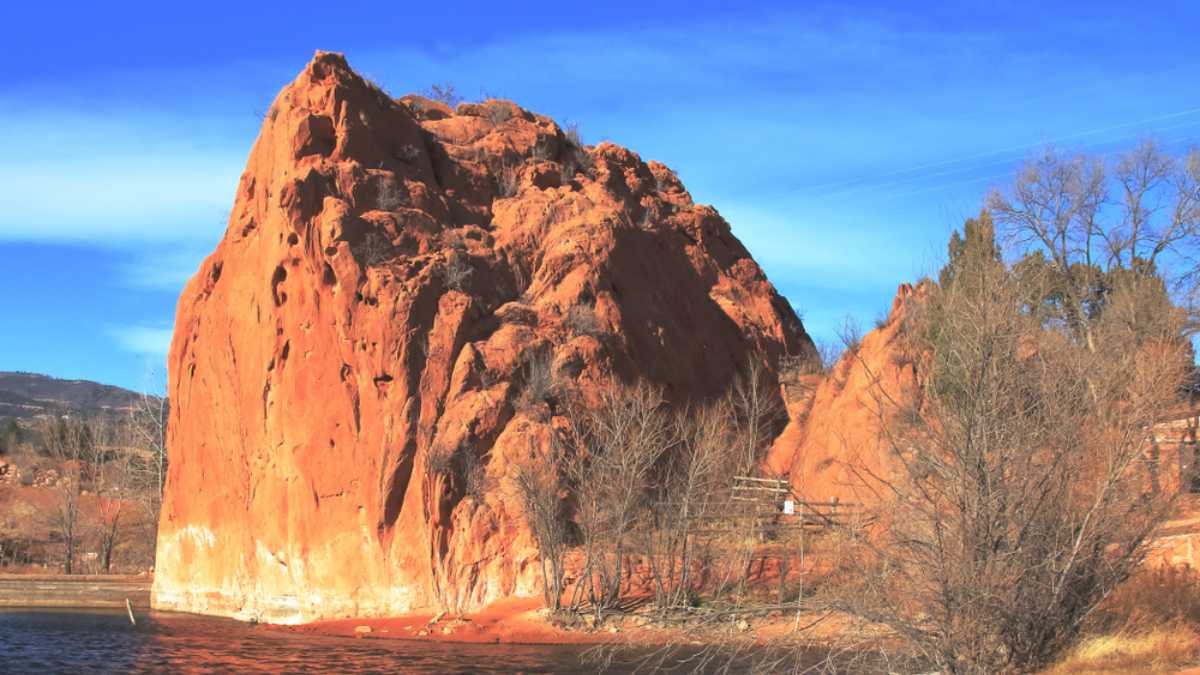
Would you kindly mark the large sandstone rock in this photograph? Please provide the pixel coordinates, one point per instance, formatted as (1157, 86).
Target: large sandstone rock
(358, 343)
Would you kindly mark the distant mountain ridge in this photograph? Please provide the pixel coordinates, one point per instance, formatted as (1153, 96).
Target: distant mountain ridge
(27, 395)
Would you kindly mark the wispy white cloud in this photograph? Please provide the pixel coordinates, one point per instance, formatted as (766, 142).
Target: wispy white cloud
(161, 268)
(143, 340)
(70, 177)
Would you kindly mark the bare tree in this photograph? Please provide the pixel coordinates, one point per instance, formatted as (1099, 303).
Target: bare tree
(1018, 496)
(115, 486)
(540, 489)
(444, 93)
(148, 426)
(613, 447)
(71, 443)
(457, 272)
(690, 489)
(757, 411)
(1062, 214)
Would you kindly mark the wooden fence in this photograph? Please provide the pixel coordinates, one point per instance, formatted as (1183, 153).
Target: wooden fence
(769, 508)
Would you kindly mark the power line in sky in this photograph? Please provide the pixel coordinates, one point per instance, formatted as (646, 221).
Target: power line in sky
(914, 173)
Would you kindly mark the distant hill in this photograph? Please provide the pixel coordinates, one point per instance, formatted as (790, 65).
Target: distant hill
(28, 395)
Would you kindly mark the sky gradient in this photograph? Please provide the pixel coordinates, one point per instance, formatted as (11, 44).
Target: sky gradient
(842, 143)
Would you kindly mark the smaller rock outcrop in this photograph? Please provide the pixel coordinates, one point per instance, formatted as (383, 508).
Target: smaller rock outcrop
(833, 442)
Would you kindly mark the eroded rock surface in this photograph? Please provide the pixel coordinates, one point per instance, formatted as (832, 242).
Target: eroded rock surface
(833, 446)
(348, 374)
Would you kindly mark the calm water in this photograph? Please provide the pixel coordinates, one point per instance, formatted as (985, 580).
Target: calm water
(104, 642)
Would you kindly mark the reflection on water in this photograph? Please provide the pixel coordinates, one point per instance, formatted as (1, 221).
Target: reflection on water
(104, 642)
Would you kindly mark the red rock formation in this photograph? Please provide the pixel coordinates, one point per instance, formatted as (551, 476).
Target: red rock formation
(832, 445)
(359, 340)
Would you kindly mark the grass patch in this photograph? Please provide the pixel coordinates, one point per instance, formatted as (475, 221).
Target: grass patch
(1151, 623)
(1148, 651)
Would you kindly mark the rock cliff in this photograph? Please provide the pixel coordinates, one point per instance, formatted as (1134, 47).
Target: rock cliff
(349, 374)
(832, 445)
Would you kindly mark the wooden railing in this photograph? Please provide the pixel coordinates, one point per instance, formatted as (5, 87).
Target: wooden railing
(769, 507)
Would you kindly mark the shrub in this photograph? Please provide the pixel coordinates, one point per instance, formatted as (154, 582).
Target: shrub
(614, 446)
(646, 221)
(473, 471)
(456, 273)
(390, 197)
(581, 320)
(373, 249)
(567, 170)
(571, 132)
(407, 153)
(850, 336)
(540, 380)
(1018, 499)
(444, 93)
(508, 180)
(575, 157)
(438, 461)
(539, 486)
(497, 112)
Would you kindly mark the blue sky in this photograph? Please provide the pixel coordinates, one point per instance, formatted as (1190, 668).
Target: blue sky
(843, 141)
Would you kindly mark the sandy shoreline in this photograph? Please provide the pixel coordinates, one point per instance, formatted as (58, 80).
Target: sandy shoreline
(517, 621)
(56, 591)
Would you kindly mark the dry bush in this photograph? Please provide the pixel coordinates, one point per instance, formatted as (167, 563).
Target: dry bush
(568, 167)
(540, 380)
(444, 93)
(146, 429)
(11, 437)
(1018, 498)
(571, 132)
(72, 444)
(539, 488)
(453, 239)
(828, 353)
(390, 196)
(541, 150)
(575, 157)
(461, 469)
(612, 447)
(508, 180)
(373, 249)
(438, 462)
(497, 112)
(581, 320)
(850, 336)
(456, 273)
(473, 471)
(690, 491)
(407, 153)
(757, 413)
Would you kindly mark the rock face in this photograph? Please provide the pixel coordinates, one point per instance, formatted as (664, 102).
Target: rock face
(833, 442)
(349, 369)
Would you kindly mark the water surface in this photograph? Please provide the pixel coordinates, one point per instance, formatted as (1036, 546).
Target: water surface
(98, 641)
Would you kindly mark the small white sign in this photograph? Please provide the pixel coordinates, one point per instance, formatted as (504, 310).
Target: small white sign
(789, 507)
